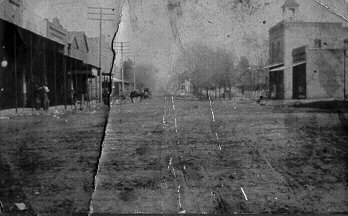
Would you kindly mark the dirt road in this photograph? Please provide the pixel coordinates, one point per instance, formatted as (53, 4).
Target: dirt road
(169, 156)
(48, 160)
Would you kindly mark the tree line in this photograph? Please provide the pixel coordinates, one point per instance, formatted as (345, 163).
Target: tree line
(209, 68)
(144, 75)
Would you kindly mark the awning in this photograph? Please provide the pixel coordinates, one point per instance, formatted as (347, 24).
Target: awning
(272, 65)
(89, 73)
(288, 66)
(74, 57)
(83, 72)
(116, 80)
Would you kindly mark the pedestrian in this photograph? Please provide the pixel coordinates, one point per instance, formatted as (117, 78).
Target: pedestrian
(73, 97)
(46, 101)
(106, 95)
(37, 97)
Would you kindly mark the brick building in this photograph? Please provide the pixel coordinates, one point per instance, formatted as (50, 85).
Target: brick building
(306, 52)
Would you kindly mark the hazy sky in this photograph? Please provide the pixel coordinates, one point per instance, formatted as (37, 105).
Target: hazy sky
(73, 14)
(146, 24)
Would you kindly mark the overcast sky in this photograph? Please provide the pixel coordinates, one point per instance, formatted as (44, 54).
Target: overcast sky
(73, 14)
(145, 24)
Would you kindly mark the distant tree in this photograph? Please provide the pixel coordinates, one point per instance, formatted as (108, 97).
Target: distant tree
(258, 47)
(205, 67)
(128, 67)
(242, 69)
(243, 64)
(226, 72)
(145, 76)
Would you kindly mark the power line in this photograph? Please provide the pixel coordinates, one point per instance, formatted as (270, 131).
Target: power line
(101, 19)
(123, 46)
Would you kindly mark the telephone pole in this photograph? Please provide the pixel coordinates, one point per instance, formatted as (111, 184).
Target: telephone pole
(101, 18)
(122, 46)
(134, 71)
(345, 50)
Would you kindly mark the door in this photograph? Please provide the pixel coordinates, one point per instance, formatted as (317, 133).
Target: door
(276, 84)
(299, 87)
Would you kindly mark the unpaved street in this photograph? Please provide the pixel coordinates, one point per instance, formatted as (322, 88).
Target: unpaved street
(48, 160)
(170, 155)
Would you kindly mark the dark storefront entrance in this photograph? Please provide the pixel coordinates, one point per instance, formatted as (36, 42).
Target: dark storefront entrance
(276, 84)
(299, 87)
(32, 61)
(12, 76)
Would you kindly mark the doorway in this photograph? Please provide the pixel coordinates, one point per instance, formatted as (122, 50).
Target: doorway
(299, 88)
(276, 87)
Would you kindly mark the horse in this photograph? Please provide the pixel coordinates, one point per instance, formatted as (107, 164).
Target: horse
(135, 94)
(147, 93)
(143, 94)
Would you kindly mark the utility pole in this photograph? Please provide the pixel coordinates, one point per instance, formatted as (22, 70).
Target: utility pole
(344, 72)
(134, 74)
(122, 46)
(134, 71)
(101, 13)
(249, 82)
(122, 68)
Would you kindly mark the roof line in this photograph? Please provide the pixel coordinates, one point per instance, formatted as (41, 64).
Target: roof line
(331, 10)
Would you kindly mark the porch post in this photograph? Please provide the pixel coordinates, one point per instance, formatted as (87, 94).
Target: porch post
(15, 67)
(65, 93)
(55, 74)
(31, 72)
(344, 73)
(44, 59)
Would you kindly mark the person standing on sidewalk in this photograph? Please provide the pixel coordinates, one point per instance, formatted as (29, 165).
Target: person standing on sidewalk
(37, 97)
(45, 99)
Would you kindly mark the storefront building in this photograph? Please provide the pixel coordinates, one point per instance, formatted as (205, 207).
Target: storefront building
(307, 57)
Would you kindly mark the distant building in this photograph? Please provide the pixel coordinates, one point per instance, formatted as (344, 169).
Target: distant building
(306, 52)
(187, 86)
(79, 68)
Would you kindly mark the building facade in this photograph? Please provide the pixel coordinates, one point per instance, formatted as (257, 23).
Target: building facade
(34, 51)
(11, 11)
(306, 53)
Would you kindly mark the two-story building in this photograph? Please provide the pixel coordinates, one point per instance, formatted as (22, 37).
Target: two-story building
(306, 52)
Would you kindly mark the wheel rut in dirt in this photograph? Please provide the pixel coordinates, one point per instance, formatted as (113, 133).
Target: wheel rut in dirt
(169, 155)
